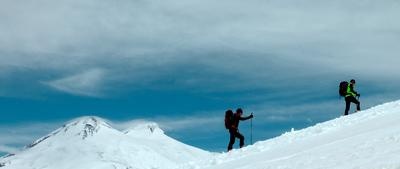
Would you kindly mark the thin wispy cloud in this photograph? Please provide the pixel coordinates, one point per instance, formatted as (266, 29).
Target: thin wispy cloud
(173, 124)
(88, 83)
(14, 137)
(9, 149)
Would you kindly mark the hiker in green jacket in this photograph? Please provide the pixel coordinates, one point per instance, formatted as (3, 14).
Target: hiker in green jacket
(351, 97)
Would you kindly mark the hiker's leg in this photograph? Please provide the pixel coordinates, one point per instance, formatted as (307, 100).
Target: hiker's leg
(241, 137)
(346, 111)
(355, 101)
(231, 139)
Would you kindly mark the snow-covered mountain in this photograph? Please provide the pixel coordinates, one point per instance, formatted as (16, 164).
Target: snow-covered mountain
(90, 143)
(368, 139)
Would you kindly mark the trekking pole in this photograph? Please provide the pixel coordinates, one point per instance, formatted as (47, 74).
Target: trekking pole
(251, 130)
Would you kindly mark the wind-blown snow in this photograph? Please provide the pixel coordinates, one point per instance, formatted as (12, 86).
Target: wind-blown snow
(368, 139)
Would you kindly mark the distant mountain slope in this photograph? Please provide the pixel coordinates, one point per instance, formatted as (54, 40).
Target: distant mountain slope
(90, 143)
(368, 139)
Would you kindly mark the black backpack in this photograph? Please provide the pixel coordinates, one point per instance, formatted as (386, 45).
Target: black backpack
(343, 88)
(228, 119)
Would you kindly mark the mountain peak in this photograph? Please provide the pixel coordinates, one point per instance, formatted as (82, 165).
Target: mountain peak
(86, 126)
(93, 120)
(144, 128)
(83, 127)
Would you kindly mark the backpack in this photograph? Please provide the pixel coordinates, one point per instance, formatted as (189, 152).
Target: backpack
(228, 119)
(343, 88)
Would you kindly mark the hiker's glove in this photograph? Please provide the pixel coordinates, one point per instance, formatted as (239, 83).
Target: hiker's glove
(358, 95)
(251, 116)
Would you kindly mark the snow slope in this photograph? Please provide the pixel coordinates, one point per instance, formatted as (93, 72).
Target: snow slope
(90, 143)
(369, 139)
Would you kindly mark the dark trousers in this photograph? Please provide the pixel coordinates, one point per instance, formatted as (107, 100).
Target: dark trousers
(233, 135)
(349, 100)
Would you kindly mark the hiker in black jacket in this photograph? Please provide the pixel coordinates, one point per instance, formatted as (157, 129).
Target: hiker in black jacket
(234, 129)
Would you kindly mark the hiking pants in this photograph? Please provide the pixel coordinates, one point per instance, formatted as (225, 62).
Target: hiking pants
(233, 135)
(349, 100)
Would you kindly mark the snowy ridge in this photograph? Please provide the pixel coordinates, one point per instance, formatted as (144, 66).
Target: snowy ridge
(369, 139)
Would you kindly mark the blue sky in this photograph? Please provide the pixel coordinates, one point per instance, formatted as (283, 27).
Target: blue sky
(182, 64)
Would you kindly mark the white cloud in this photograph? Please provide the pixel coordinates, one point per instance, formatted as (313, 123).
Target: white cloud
(88, 83)
(13, 137)
(199, 43)
(174, 123)
(207, 123)
(125, 125)
(8, 149)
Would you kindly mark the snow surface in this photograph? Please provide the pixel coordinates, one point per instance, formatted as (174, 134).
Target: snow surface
(368, 139)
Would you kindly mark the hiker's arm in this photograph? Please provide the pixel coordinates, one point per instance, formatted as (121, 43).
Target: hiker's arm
(352, 90)
(246, 118)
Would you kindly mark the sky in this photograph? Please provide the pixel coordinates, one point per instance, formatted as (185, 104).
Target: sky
(183, 63)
